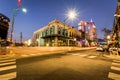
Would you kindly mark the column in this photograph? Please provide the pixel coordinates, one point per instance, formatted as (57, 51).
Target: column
(56, 39)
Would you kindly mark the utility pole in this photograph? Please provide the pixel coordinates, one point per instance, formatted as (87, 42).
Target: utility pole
(21, 37)
(13, 20)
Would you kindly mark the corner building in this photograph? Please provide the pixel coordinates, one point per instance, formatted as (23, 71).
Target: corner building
(56, 33)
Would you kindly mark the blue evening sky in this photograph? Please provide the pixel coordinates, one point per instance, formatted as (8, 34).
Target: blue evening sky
(41, 12)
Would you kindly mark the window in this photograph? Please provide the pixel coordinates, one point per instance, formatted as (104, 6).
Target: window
(52, 30)
(43, 33)
(59, 30)
(47, 32)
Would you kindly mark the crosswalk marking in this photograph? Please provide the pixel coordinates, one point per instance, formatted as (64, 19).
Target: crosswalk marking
(114, 76)
(8, 68)
(117, 61)
(115, 66)
(3, 64)
(9, 60)
(91, 56)
(8, 76)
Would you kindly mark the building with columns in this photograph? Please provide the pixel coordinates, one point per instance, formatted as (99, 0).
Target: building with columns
(56, 33)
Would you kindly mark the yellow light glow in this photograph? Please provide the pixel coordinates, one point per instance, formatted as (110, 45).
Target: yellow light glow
(72, 14)
(24, 10)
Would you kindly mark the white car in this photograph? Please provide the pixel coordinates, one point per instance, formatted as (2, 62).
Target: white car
(99, 48)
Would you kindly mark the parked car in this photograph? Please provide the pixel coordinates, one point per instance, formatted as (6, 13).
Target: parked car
(99, 48)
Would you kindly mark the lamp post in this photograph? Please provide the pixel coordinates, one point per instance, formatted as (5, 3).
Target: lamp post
(108, 39)
(71, 15)
(13, 20)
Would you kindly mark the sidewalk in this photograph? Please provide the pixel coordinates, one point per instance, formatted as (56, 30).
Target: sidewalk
(42, 50)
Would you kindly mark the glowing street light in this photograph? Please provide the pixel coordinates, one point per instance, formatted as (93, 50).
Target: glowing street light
(24, 10)
(72, 14)
(13, 20)
(108, 37)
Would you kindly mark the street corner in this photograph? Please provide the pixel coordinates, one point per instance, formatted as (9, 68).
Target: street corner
(7, 52)
(10, 52)
(115, 57)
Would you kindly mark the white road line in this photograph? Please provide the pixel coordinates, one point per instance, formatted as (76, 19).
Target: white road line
(75, 54)
(83, 55)
(32, 54)
(8, 67)
(40, 53)
(3, 64)
(7, 60)
(8, 76)
(91, 56)
(114, 76)
(115, 68)
(24, 55)
(27, 55)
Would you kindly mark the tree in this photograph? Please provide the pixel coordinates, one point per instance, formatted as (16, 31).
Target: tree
(106, 32)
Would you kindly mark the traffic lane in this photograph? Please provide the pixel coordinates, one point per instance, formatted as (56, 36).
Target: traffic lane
(67, 67)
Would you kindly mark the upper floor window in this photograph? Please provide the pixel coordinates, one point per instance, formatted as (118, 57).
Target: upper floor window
(70, 34)
(52, 30)
(59, 30)
(43, 33)
(47, 32)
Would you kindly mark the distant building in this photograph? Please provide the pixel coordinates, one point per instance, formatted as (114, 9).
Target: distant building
(56, 33)
(88, 34)
(4, 26)
(92, 32)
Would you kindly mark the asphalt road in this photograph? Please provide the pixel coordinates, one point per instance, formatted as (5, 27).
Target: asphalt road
(79, 65)
(75, 65)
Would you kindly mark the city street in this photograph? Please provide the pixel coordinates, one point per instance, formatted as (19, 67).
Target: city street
(47, 41)
(76, 65)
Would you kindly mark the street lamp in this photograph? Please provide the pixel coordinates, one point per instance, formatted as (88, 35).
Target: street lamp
(13, 20)
(24, 10)
(108, 39)
(71, 15)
